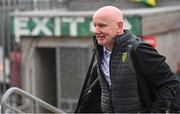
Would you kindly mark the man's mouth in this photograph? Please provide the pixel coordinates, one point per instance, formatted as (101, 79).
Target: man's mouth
(100, 37)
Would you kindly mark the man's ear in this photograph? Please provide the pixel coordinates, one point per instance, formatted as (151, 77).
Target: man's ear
(120, 27)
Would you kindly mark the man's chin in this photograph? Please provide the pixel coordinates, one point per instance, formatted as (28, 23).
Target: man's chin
(101, 43)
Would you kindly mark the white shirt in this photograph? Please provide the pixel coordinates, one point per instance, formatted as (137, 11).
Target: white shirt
(105, 64)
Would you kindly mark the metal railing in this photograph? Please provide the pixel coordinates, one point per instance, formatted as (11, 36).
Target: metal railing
(10, 91)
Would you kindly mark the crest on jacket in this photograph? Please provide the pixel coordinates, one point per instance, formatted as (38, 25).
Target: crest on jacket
(124, 56)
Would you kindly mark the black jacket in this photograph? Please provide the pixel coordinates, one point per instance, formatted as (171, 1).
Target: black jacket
(161, 82)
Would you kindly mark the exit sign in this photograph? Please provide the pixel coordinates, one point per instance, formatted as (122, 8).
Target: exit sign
(75, 26)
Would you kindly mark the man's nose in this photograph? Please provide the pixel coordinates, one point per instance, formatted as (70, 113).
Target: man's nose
(97, 30)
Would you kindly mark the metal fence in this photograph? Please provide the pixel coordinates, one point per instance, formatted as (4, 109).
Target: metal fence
(8, 107)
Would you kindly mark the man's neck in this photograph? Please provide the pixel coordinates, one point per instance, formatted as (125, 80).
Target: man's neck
(109, 47)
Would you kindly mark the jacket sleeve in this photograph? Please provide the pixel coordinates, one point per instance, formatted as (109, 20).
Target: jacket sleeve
(157, 73)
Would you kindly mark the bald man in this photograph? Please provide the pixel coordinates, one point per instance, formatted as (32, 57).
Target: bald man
(108, 23)
(111, 85)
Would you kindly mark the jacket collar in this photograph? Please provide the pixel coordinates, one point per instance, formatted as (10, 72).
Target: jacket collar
(123, 37)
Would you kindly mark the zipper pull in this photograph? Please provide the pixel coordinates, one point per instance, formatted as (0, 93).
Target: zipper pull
(88, 92)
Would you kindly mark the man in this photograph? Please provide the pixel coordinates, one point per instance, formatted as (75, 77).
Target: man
(116, 75)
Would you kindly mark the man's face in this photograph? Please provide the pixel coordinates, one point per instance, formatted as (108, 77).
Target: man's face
(105, 29)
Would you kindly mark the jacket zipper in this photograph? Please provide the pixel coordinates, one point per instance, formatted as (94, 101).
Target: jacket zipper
(110, 86)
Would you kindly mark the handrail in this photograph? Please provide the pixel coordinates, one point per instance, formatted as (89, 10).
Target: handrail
(25, 94)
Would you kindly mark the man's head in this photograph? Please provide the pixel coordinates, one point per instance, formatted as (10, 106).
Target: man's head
(108, 23)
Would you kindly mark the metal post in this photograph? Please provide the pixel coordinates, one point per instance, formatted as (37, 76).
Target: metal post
(3, 45)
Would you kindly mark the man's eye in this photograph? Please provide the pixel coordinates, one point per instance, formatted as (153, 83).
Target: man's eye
(102, 25)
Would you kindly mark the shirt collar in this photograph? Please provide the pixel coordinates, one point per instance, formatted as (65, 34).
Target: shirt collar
(106, 51)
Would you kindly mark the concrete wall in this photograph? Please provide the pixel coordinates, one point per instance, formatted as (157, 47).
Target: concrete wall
(168, 44)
